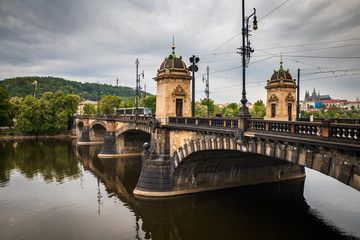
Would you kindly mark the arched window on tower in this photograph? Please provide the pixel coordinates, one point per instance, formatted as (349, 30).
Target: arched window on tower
(273, 110)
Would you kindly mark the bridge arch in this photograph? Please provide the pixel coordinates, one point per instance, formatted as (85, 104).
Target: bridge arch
(133, 127)
(331, 162)
(131, 137)
(97, 122)
(97, 131)
(79, 125)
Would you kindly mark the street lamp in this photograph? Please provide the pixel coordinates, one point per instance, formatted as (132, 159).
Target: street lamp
(194, 68)
(246, 52)
(137, 85)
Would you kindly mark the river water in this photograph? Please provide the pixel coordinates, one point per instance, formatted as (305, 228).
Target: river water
(55, 190)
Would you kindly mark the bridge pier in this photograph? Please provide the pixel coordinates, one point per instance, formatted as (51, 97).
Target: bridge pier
(109, 149)
(85, 134)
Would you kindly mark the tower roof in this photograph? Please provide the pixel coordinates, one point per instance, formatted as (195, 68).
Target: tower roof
(173, 63)
(281, 74)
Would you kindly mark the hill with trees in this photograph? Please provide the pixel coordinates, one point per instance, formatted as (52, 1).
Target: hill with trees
(24, 86)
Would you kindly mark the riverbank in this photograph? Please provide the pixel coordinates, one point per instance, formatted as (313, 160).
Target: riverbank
(8, 137)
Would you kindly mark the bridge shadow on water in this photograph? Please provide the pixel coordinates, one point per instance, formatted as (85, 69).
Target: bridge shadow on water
(264, 211)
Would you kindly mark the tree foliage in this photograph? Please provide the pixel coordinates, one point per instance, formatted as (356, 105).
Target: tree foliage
(332, 112)
(211, 106)
(5, 108)
(150, 101)
(200, 109)
(109, 103)
(258, 110)
(51, 114)
(89, 109)
(231, 110)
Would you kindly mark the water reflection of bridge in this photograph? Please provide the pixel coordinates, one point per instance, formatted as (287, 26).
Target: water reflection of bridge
(211, 214)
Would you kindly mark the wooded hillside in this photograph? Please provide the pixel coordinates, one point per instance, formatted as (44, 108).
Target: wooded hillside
(24, 86)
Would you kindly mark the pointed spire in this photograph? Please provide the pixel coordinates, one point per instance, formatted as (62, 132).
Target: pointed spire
(173, 46)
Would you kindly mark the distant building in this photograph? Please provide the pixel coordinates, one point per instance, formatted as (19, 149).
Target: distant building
(315, 97)
(80, 110)
(354, 105)
(335, 103)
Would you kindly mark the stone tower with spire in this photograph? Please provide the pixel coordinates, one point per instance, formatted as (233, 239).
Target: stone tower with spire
(173, 88)
(281, 96)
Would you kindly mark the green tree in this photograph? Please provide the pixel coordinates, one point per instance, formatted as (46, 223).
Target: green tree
(211, 106)
(323, 106)
(51, 114)
(334, 112)
(109, 103)
(356, 115)
(230, 110)
(30, 115)
(5, 108)
(344, 116)
(150, 101)
(258, 110)
(89, 109)
(200, 109)
(129, 103)
(217, 110)
(15, 101)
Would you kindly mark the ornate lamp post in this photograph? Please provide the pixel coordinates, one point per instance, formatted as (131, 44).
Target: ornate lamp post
(246, 52)
(194, 68)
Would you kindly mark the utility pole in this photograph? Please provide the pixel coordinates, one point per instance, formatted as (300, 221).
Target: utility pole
(137, 85)
(98, 102)
(193, 68)
(298, 97)
(207, 90)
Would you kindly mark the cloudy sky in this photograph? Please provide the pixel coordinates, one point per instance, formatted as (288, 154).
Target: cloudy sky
(93, 40)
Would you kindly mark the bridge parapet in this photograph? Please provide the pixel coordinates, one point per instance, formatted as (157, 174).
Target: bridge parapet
(201, 121)
(325, 130)
(116, 117)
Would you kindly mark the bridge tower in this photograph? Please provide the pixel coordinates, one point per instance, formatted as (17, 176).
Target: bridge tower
(173, 89)
(281, 96)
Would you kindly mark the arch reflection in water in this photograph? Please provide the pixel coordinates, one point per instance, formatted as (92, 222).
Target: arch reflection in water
(267, 211)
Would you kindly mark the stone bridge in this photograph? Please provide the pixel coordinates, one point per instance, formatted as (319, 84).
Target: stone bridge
(186, 155)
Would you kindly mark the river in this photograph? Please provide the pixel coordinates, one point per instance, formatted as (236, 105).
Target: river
(55, 190)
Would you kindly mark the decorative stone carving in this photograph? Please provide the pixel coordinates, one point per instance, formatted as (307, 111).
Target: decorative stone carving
(290, 98)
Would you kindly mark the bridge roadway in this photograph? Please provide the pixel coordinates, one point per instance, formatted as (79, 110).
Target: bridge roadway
(187, 155)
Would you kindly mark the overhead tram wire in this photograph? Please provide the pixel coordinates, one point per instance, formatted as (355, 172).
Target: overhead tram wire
(332, 57)
(309, 44)
(273, 10)
(342, 75)
(241, 32)
(333, 71)
(276, 55)
(319, 49)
